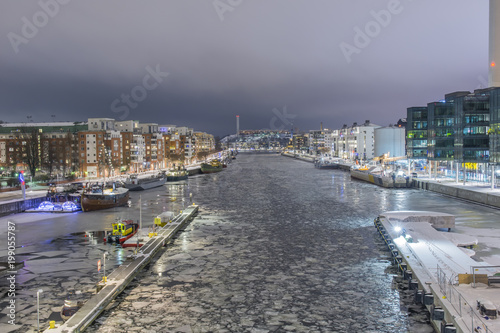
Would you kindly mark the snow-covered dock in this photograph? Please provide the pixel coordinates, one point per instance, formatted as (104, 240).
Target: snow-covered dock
(118, 280)
(457, 290)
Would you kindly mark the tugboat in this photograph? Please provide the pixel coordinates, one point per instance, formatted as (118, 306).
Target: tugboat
(98, 197)
(174, 175)
(122, 231)
(211, 167)
(135, 183)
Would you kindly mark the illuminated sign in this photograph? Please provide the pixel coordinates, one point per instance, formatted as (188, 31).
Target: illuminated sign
(21, 177)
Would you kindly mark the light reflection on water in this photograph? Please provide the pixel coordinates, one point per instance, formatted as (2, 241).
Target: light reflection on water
(290, 239)
(278, 242)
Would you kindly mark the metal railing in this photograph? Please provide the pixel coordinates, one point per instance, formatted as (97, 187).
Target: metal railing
(471, 318)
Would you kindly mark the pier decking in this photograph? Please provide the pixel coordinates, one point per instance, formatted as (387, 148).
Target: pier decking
(118, 280)
(444, 278)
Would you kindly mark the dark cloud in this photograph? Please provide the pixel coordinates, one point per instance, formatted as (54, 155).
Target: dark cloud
(263, 55)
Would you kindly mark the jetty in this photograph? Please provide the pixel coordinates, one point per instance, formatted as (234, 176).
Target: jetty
(460, 293)
(118, 280)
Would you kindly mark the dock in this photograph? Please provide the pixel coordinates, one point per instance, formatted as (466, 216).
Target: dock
(118, 280)
(459, 292)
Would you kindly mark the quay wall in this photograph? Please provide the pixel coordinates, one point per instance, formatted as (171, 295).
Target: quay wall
(426, 294)
(457, 192)
(472, 195)
(19, 206)
(300, 157)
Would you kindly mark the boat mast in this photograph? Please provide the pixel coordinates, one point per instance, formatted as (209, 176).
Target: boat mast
(140, 212)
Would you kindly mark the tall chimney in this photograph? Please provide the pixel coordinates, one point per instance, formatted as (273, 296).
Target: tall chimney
(494, 44)
(321, 127)
(238, 126)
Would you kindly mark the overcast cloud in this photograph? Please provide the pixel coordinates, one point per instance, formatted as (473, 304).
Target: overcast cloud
(237, 57)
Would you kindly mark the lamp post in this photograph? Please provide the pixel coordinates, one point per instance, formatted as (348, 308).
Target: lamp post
(39, 291)
(105, 254)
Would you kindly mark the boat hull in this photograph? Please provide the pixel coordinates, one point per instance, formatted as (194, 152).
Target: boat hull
(207, 168)
(122, 239)
(326, 166)
(379, 180)
(94, 201)
(176, 178)
(175, 175)
(146, 185)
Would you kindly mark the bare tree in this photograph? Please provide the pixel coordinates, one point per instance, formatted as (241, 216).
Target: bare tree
(202, 155)
(29, 142)
(177, 157)
(48, 155)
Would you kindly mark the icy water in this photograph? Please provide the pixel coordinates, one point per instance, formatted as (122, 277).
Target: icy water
(278, 246)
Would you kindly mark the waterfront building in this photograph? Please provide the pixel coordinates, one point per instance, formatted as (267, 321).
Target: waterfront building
(300, 142)
(127, 126)
(330, 142)
(317, 142)
(52, 146)
(101, 124)
(416, 132)
(137, 152)
(356, 142)
(113, 143)
(152, 141)
(203, 144)
(92, 153)
(462, 133)
(167, 129)
(391, 140)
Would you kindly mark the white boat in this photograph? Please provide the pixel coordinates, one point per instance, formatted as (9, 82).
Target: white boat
(134, 183)
(377, 175)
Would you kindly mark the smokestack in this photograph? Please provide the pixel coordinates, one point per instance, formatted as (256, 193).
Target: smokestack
(238, 126)
(494, 44)
(321, 127)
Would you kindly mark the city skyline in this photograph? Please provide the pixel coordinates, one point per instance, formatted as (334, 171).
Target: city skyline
(276, 64)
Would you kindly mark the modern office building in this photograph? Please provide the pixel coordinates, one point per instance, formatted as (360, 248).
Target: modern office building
(416, 132)
(462, 132)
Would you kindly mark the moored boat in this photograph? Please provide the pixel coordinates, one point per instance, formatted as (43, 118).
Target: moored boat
(326, 164)
(376, 175)
(178, 174)
(96, 197)
(122, 231)
(211, 167)
(134, 183)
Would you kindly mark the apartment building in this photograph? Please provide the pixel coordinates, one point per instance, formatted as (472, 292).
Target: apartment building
(356, 142)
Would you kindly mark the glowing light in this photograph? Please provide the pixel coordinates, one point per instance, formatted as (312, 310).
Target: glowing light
(492, 64)
(397, 229)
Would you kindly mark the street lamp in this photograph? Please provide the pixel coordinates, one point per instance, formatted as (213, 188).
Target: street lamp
(105, 254)
(39, 291)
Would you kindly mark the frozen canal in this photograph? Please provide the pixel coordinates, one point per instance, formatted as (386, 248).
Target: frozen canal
(278, 246)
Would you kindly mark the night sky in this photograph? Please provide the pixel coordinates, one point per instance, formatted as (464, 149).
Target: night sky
(199, 63)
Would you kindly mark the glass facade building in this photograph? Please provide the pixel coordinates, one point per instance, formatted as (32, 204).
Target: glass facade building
(460, 132)
(416, 132)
